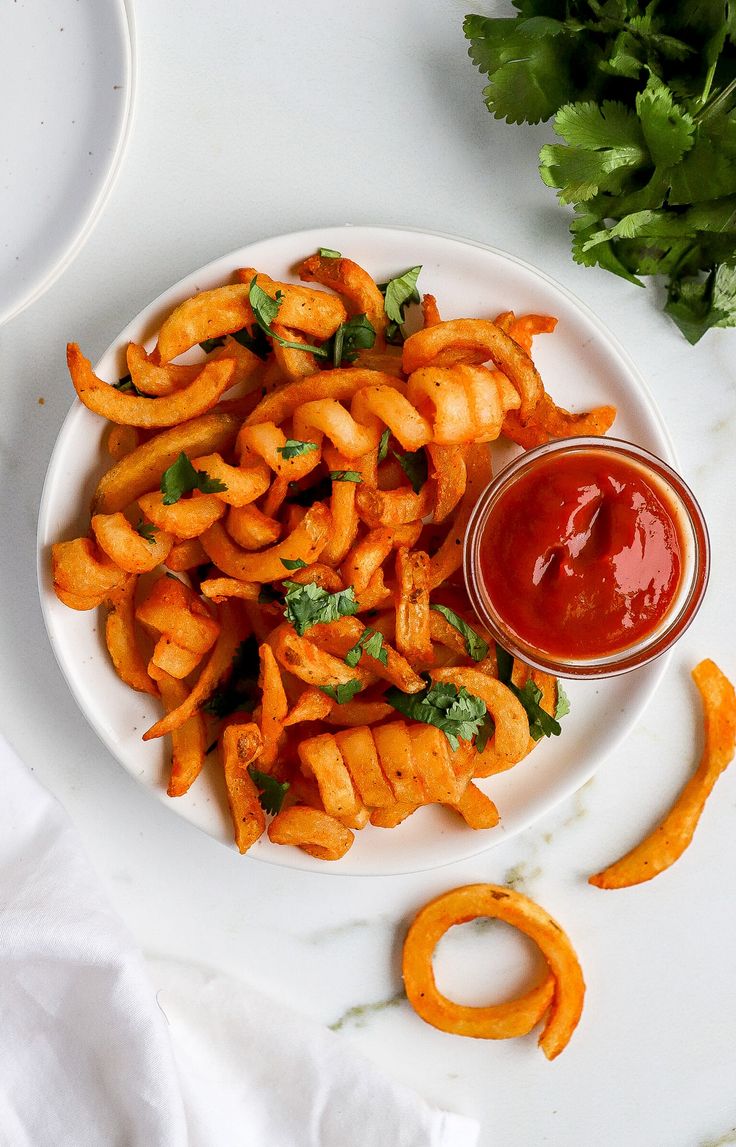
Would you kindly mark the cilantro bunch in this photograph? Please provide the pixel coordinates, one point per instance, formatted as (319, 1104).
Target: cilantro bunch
(644, 97)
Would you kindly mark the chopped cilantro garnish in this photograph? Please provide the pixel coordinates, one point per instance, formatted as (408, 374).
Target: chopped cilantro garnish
(370, 642)
(271, 792)
(239, 689)
(475, 645)
(181, 478)
(541, 724)
(397, 294)
(126, 386)
(458, 713)
(293, 448)
(484, 734)
(293, 563)
(326, 253)
(562, 708)
(265, 311)
(342, 693)
(146, 530)
(308, 605)
(356, 334)
(253, 340)
(505, 664)
(383, 445)
(414, 465)
(345, 476)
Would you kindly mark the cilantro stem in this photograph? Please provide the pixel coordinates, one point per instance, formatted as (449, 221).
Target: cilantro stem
(708, 82)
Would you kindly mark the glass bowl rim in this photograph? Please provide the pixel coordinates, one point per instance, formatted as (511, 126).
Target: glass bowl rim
(649, 647)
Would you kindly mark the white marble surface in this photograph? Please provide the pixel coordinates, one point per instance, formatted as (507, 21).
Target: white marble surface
(258, 120)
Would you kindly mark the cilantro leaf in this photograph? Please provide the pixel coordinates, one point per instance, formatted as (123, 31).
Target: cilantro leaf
(529, 63)
(345, 476)
(562, 708)
(383, 445)
(253, 340)
(414, 465)
(476, 646)
(356, 334)
(146, 530)
(644, 98)
(308, 605)
(265, 312)
(397, 294)
(293, 563)
(126, 386)
(344, 692)
(271, 791)
(505, 664)
(541, 724)
(370, 642)
(698, 303)
(326, 253)
(484, 734)
(292, 448)
(458, 713)
(668, 129)
(239, 689)
(181, 478)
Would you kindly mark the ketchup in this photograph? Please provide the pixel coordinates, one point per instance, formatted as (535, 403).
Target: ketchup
(582, 555)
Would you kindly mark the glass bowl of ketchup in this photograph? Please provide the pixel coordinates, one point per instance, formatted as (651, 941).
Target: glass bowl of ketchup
(587, 557)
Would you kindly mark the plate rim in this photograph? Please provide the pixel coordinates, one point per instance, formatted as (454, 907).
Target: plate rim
(483, 842)
(79, 237)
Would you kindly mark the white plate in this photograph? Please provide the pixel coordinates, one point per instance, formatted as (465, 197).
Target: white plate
(581, 365)
(66, 87)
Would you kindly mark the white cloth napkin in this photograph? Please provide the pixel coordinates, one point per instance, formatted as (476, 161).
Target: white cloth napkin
(89, 1057)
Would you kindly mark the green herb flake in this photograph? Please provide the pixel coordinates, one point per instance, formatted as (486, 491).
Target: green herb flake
(181, 478)
(326, 253)
(254, 340)
(458, 713)
(265, 311)
(293, 563)
(399, 292)
(126, 386)
(562, 708)
(475, 646)
(308, 605)
(370, 642)
(146, 531)
(356, 334)
(414, 465)
(484, 734)
(293, 448)
(383, 445)
(541, 724)
(345, 476)
(342, 693)
(271, 792)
